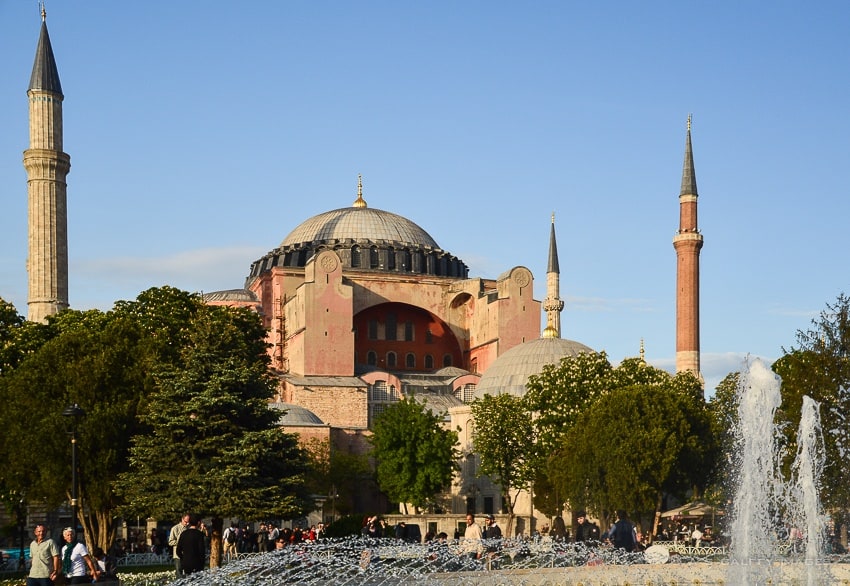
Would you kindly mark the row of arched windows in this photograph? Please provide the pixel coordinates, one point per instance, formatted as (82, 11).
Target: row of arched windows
(392, 360)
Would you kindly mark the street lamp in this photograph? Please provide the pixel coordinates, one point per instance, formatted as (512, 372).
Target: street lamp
(21, 513)
(74, 413)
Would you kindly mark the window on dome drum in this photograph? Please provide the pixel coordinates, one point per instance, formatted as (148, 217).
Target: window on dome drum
(408, 331)
(410, 360)
(405, 260)
(355, 256)
(373, 329)
(447, 360)
(390, 359)
(391, 327)
(374, 261)
(429, 362)
(391, 258)
(371, 358)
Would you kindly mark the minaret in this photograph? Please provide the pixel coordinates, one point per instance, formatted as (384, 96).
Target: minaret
(47, 167)
(553, 305)
(687, 242)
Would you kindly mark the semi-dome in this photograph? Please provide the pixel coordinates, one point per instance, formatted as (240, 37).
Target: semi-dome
(359, 223)
(509, 372)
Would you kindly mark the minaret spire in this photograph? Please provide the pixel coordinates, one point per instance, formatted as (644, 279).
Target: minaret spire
(47, 166)
(553, 305)
(688, 242)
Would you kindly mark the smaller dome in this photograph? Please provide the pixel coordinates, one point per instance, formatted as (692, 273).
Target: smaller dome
(510, 371)
(295, 415)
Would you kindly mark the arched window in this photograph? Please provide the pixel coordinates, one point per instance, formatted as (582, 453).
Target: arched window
(391, 359)
(408, 331)
(410, 360)
(447, 360)
(391, 327)
(355, 256)
(371, 358)
(374, 261)
(381, 397)
(429, 362)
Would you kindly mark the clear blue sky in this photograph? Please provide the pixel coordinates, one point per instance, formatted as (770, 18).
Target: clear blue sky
(202, 132)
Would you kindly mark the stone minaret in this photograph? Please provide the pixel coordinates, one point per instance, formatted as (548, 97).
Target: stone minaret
(687, 242)
(553, 305)
(47, 167)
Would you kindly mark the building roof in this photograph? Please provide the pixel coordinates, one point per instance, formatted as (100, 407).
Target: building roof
(295, 415)
(231, 295)
(45, 74)
(509, 372)
(359, 224)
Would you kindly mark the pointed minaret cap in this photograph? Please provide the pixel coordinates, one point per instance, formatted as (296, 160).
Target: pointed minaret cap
(45, 74)
(689, 176)
(359, 202)
(553, 250)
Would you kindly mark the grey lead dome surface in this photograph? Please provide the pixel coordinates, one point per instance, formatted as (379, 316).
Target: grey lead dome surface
(510, 371)
(359, 224)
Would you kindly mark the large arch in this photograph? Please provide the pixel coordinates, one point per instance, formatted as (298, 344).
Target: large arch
(404, 329)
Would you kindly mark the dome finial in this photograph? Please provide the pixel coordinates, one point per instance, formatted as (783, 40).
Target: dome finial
(359, 202)
(689, 122)
(43, 11)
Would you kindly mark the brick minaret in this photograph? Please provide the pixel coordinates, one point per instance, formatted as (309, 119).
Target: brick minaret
(47, 166)
(687, 242)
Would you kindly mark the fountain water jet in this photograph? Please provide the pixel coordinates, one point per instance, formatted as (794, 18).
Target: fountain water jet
(765, 505)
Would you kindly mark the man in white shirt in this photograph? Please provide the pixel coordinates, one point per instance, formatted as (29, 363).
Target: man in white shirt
(472, 546)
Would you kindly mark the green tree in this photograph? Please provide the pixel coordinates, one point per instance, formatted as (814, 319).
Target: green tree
(96, 366)
(214, 447)
(562, 392)
(636, 444)
(503, 439)
(415, 455)
(819, 366)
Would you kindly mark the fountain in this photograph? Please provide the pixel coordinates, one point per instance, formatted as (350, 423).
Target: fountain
(763, 506)
(771, 516)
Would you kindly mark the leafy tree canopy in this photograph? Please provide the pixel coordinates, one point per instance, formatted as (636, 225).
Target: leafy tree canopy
(415, 455)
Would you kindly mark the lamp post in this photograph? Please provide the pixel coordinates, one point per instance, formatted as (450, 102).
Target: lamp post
(21, 513)
(74, 413)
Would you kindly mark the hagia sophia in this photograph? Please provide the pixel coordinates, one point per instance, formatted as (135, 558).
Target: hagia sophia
(363, 307)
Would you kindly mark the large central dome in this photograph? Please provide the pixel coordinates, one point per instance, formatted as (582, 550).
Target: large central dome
(365, 239)
(359, 223)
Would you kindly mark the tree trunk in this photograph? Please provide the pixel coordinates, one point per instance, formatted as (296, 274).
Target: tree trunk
(658, 503)
(215, 542)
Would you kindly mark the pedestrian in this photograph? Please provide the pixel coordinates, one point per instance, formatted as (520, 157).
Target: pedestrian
(622, 534)
(173, 536)
(76, 560)
(45, 559)
(192, 547)
(586, 530)
(472, 546)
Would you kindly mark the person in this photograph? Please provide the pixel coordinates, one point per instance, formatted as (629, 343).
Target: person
(192, 547)
(106, 565)
(230, 537)
(586, 530)
(559, 530)
(76, 560)
(492, 535)
(622, 533)
(173, 536)
(492, 530)
(472, 546)
(45, 559)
